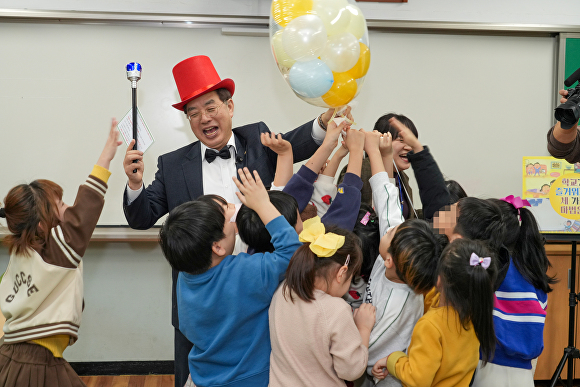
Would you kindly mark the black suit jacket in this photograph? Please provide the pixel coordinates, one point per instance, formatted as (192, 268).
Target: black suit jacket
(179, 176)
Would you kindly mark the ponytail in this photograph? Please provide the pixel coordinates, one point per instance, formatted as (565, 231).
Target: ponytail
(480, 298)
(305, 266)
(529, 254)
(468, 288)
(526, 245)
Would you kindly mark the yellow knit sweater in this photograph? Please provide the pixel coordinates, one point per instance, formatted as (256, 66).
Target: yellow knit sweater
(442, 353)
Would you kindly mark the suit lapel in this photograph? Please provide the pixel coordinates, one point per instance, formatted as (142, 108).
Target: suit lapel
(192, 172)
(241, 154)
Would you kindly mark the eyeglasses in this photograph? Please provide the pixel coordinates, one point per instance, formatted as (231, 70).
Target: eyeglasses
(210, 111)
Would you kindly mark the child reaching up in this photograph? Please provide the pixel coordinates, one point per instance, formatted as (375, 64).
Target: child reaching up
(409, 251)
(41, 292)
(315, 340)
(223, 299)
(324, 188)
(344, 209)
(446, 341)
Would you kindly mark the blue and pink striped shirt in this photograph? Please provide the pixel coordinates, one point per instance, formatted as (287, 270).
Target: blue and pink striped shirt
(519, 314)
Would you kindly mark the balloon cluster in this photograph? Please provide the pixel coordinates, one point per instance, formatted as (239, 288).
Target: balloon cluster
(321, 48)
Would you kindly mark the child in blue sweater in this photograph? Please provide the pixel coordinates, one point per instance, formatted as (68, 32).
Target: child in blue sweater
(223, 299)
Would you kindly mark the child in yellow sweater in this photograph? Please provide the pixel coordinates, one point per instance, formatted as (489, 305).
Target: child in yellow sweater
(446, 341)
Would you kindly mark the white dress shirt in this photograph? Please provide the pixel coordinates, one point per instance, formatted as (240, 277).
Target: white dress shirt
(217, 176)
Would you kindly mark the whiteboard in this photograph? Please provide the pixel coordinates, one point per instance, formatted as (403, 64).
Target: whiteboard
(479, 102)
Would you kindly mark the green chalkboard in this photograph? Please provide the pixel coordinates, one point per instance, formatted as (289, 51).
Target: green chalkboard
(572, 62)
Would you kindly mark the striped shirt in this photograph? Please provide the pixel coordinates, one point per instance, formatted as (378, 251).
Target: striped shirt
(519, 314)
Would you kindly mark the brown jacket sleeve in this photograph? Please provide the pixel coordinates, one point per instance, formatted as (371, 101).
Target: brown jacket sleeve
(569, 152)
(68, 241)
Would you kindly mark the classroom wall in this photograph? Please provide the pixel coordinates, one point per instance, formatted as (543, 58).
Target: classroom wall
(563, 12)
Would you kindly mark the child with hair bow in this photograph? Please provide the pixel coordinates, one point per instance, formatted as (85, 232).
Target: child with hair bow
(315, 340)
(521, 300)
(447, 340)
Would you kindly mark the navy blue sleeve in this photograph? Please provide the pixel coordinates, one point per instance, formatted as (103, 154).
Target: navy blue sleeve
(343, 210)
(432, 189)
(301, 186)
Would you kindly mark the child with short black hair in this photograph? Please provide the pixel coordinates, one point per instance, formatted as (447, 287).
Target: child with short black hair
(446, 341)
(41, 292)
(223, 299)
(253, 232)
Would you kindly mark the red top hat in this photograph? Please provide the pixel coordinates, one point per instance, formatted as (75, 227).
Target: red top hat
(196, 76)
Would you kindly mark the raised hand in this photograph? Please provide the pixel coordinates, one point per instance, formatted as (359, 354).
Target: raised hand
(386, 145)
(333, 133)
(355, 140)
(276, 143)
(254, 195)
(111, 146)
(407, 136)
(372, 141)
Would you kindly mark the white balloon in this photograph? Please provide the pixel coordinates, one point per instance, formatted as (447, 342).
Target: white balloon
(281, 57)
(334, 14)
(304, 38)
(341, 52)
(357, 23)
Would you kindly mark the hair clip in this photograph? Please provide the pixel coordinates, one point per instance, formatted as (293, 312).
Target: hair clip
(474, 260)
(365, 219)
(347, 260)
(517, 202)
(323, 244)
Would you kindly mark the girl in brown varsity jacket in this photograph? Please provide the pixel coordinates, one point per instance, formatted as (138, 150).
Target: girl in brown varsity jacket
(41, 292)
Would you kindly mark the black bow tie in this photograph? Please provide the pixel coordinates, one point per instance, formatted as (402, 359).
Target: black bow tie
(211, 154)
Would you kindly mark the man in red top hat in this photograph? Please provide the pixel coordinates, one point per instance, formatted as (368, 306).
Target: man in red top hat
(206, 166)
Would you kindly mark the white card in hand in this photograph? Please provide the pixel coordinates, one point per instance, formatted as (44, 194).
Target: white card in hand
(144, 136)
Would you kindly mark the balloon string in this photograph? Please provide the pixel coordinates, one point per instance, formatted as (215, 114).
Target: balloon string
(335, 114)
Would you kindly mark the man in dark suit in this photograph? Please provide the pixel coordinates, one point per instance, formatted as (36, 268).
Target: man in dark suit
(206, 166)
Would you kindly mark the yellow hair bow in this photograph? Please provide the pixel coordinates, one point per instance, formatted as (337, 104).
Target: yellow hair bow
(322, 244)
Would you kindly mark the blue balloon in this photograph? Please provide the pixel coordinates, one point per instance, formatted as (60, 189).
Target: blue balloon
(310, 79)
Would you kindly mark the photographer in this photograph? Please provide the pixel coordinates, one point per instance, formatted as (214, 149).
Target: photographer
(564, 143)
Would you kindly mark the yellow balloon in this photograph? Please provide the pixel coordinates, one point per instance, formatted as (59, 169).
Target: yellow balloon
(342, 91)
(280, 55)
(283, 11)
(362, 65)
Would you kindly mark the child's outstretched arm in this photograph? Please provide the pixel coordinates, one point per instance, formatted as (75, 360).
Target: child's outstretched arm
(300, 185)
(254, 195)
(432, 188)
(283, 236)
(385, 194)
(324, 187)
(283, 148)
(343, 211)
(332, 166)
(79, 220)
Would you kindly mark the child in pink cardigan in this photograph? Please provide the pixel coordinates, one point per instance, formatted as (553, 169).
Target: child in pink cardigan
(315, 339)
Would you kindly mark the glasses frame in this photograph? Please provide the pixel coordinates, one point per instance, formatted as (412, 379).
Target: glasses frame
(205, 111)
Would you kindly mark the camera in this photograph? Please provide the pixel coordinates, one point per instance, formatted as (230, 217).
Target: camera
(568, 113)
